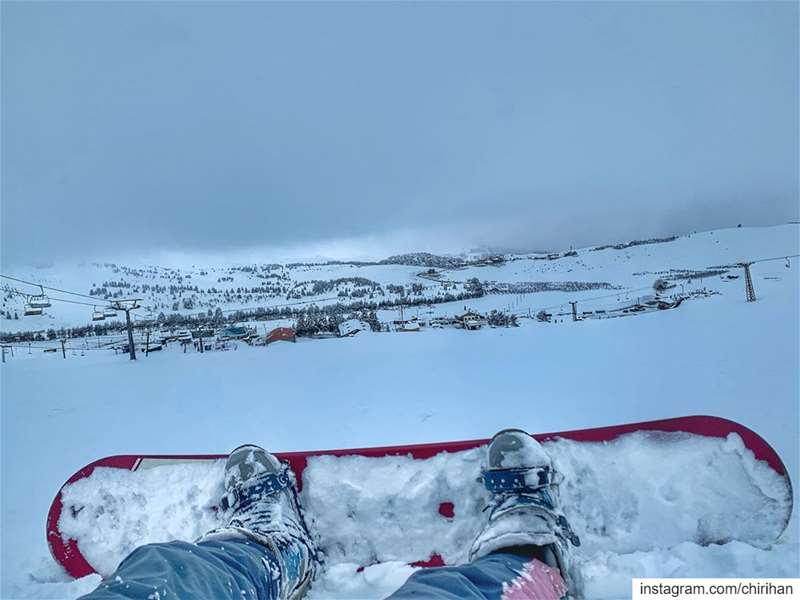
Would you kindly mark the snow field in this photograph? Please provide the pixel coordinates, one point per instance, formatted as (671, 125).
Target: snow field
(718, 356)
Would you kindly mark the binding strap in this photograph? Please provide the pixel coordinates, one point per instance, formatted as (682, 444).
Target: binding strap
(526, 479)
(566, 530)
(257, 487)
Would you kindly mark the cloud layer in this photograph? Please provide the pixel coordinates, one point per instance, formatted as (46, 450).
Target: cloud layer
(135, 128)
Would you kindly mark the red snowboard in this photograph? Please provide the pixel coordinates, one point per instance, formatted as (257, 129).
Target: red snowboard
(68, 553)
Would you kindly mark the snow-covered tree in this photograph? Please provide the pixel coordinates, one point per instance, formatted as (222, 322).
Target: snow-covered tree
(474, 287)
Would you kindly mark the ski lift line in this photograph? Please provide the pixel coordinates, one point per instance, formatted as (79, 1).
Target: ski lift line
(87, 340)
(51, 298)
(584, 300)
(614, 295)
(563, 305)
(760, 260)
(24, 345)
(46, 287)
(79, 348)
(18, 345)
(57, 299)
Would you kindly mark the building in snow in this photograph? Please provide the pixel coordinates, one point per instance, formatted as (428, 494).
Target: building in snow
(411, 324)
(233, 332)
(470, 320)
(281, 334)
(352, 327)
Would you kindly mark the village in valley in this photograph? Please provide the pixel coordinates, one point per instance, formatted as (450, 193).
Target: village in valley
(145, 310)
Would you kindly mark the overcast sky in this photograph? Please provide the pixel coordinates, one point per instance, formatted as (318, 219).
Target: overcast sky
(348, 128)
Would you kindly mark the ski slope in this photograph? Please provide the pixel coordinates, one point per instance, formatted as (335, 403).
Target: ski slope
(631, 271)
(717, 355)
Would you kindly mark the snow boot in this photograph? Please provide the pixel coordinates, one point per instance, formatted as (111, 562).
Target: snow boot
(263, 504)
(525, 513)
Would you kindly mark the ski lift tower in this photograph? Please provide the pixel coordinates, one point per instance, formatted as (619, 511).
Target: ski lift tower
(749, 292)
(127, 306)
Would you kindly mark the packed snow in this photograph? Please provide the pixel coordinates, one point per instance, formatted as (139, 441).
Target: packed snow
(713, 355)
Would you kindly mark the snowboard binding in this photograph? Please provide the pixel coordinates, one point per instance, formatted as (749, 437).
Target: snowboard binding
(262, 499)
(524, 507)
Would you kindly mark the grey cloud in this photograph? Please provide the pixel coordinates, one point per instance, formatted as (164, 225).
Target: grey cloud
(214, 127)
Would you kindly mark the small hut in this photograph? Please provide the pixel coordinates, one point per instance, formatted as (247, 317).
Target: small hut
(281, 334)
(233, 332)
(470, 320)
(352, 327)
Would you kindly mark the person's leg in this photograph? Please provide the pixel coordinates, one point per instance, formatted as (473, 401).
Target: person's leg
(264, 552)
(523, 551)
(235, 568)
(506, 576)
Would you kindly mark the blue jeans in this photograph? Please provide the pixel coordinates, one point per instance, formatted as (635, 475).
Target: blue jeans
(241, 569)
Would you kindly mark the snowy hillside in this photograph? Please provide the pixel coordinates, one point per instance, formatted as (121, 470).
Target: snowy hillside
(435, 286)
(713, 354)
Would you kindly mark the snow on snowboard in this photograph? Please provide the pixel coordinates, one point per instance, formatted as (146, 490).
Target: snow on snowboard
(627, 488)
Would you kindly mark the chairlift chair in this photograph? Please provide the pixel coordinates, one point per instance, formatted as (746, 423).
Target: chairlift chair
(39, 300)
(98, 315)
(110, 313)
(32, 311)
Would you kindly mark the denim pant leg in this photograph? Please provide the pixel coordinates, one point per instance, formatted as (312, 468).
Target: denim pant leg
(496, 576)
(216, 569)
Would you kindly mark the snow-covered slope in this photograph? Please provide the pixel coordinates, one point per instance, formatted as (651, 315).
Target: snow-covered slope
(716, 355)
(198, 289)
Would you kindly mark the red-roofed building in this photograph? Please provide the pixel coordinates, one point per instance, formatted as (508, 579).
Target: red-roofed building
(285, 334)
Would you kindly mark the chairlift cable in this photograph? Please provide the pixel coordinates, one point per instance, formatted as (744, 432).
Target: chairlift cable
(52, 298)
(760, 260)
(45, 287)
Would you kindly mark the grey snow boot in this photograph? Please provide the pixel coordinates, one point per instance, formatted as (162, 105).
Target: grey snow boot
(525, 510)
(263, 506)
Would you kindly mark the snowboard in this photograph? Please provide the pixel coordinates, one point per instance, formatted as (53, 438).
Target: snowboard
(703, 479)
